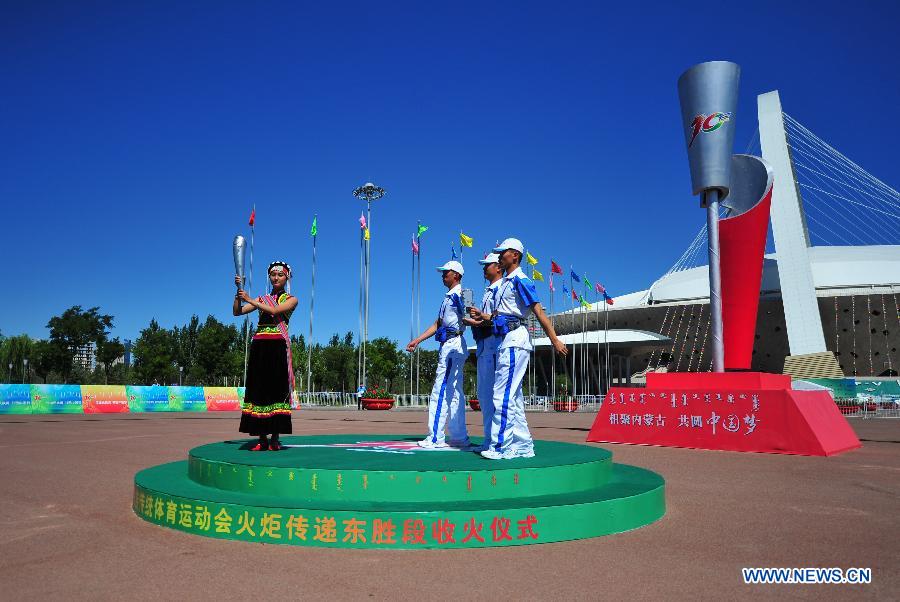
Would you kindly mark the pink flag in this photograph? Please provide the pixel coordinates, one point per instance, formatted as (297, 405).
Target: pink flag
(599, 288)
(362, 221)
(415, 246)
(551, 282)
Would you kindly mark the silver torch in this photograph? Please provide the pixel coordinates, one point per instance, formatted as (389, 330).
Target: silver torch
(238, 248)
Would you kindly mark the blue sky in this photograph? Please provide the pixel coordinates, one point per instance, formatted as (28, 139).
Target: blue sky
(136, 137)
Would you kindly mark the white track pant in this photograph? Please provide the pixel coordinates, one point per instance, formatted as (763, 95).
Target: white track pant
(487, 367)
(447, 406)
(509, 429)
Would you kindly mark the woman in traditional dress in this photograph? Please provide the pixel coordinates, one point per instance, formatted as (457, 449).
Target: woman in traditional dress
(266, 411)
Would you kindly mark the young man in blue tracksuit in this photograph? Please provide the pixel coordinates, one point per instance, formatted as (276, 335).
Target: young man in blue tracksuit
(486, 343)
(516, 298)
(447, 404)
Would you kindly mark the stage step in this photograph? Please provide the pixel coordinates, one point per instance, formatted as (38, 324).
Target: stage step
(497, 511)
(394, 469)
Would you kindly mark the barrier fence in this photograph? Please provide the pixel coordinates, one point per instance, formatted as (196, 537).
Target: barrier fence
(116, 399)
(856, 398)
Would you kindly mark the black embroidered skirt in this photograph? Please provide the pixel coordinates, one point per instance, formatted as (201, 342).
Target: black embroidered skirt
(267, 400)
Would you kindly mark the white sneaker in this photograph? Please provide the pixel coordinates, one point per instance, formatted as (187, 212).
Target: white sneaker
(427, 444)
(525, 454)
(491, 454)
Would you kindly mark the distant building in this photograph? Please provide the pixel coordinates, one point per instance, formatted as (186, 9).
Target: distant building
(86, 357)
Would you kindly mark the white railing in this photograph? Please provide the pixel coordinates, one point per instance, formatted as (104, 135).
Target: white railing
(327, 399)
(533, 403)
(407, 400)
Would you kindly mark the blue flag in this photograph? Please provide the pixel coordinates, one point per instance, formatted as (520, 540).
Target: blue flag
(575, 277)
(453, 253)
(565, 290)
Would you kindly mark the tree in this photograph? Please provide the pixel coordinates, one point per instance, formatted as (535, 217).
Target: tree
(41, 361)
(219, 352)
(108, 351)
(384, 362)
(73, 329)
(154, 355)
(186, 344)
(337, 364)
(15, 350)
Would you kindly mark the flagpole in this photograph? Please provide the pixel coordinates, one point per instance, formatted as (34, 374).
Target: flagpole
(585, 349)
(599, 367)
(606, 338)
(574, 346)
(312, 303)
(418, 308)
(412, 309)
(530, 328)
(552, 353)
(368, 278)
(249, 285)
(359, 346)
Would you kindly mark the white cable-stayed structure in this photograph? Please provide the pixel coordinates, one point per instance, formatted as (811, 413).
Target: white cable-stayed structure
(830, 295)
(844, 204)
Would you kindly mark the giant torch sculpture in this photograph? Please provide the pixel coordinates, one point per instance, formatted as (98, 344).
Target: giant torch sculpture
(732, 408)
(708, 94)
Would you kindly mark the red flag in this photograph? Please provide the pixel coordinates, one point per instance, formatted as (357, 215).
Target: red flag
(574, 296)
(554, 267)
(253, 217)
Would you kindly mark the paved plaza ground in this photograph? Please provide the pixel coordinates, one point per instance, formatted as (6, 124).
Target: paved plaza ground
(67, 530)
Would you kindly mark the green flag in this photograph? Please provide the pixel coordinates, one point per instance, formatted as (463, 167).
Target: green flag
(583, 302)
(315, 228)
(587, 282)
(422, 229)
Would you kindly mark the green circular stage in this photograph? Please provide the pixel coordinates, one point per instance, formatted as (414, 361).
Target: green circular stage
(376, 491)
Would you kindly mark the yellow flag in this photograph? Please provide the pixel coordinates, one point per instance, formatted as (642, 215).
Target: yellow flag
(531, 259)
(537, 275)
(366, 234)
(464, 240)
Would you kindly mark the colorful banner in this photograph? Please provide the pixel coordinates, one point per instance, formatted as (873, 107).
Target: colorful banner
(223, 398)
(148, 399)
(187, 399)
(56, 399)
(15, 399)
(104, 399)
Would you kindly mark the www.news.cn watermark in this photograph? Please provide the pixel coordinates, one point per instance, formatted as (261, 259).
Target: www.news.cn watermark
(806, 575)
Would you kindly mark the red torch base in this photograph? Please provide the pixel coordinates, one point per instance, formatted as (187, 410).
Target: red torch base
(731, 411)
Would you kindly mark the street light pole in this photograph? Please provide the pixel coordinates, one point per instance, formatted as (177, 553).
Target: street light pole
(10, 373)
(368, 192)
(24, 369)
(180, 372)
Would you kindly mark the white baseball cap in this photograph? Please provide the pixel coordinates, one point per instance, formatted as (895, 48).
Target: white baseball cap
(510, 243)
(452, 265)
(492, 258)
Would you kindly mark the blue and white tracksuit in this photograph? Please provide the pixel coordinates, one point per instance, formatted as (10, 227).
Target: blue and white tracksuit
(516, 296)
(486, 354)
(447, 406)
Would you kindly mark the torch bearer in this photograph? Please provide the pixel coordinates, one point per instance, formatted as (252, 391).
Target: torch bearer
(708, 94)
